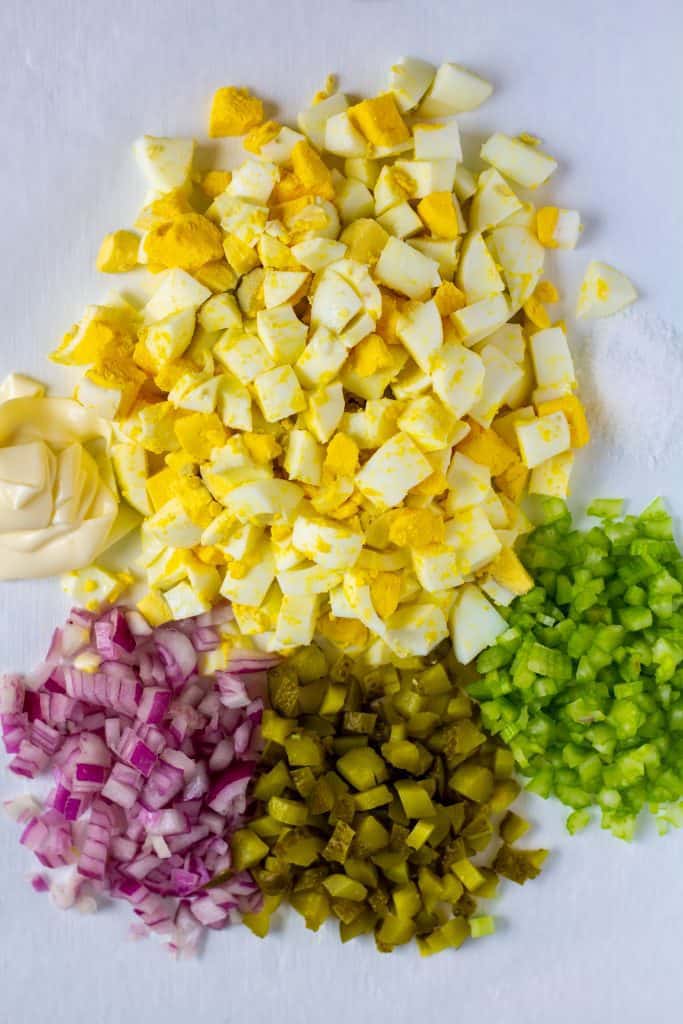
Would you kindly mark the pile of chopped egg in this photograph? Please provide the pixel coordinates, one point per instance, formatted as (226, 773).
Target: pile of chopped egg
(347, 374)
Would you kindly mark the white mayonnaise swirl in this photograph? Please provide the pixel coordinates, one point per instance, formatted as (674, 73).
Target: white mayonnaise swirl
(56, 510)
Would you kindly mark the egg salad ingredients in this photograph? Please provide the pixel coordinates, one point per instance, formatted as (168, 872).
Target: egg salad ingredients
(58, 502)
(151, 757)
(348, 374)
(379, 803)
(585, 685)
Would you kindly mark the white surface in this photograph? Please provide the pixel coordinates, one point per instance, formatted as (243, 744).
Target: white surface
(599, 935)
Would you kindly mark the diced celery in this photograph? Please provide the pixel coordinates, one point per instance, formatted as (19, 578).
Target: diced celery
(635, 619)
(606, 508)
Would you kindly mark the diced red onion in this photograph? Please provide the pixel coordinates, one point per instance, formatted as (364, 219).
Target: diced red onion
(154, 704)
(151, 762)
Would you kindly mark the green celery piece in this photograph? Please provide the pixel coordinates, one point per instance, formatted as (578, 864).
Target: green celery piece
(635, 619)
(547, 662)
(606, 508)
(578, 820)
(655, 510)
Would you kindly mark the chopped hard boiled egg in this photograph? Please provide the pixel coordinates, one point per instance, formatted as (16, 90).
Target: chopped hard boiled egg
(346, 376)
(604, 291)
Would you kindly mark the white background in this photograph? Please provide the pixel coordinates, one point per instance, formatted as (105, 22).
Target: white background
(599, 936)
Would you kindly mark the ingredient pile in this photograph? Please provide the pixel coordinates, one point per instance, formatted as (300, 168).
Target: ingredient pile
(320, 443)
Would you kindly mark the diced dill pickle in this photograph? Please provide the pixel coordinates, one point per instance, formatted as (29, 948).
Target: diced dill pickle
(275, 728)
(402, 754)
(459, 705)
(478, 832)
(397, 814)
(434, 680)
(333, 699)
(345, 888)
(430, 887)
(387, 777)
(394, 931)
(379, 901)
(456, 814)
(519, 865)
(470, 876)
(304, 781)
(453, 852)
(449, 935)
(414, 799)
(311, 878)
(503, 763)
(362, 871)
(420, 833)
(480, 926)
(371, 798)
(298, 847)
(422, 724)
(490, 887)
(371, 836)
(339, 843)
(407, 702)
(342, 744)
(347, 910)
(304, 751)
(359, 721)
(453, 889)
(289, 812)
(313, 906)
(309, 663)
(393, 866)
(259, 921)
(460, 739)
(512, 827)
(283, 689)
(342, 670)
(474, 781)
(354, 696)
(504, 793)
(425, 922)
(362, 925)
(247, 849)
(272, 783)
(407, 901)
(386, 679)
(362, 767)
(320, 726)
(397, 839)
(273, 881)
(344, 809)
(311, 697)
(266, 827)
(321, 798)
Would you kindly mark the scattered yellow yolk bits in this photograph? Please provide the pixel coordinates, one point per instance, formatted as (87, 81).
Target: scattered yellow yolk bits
(234, 112)
(312, 171)
(188, 241)
(448, 298)
(215, 182)
(118, 252)
(344, 377)
(438, 213)
(256, 139)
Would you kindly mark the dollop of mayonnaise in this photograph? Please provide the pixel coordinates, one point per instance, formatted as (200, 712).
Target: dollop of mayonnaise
(56, 510)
